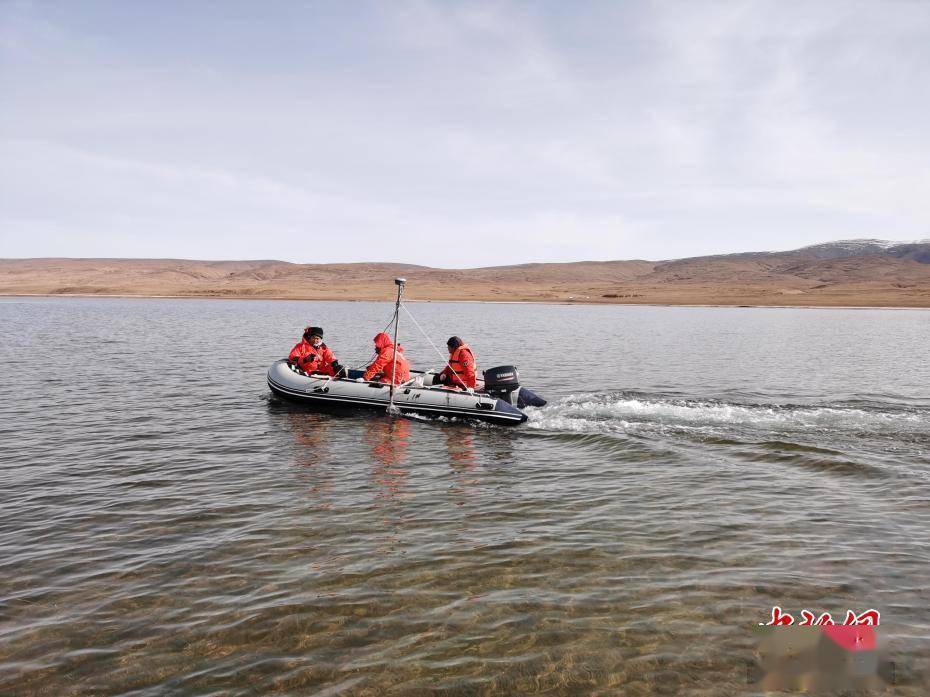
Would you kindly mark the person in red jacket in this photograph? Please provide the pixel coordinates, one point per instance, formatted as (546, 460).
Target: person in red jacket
(382, 369)
(461, 371)
(311, 355)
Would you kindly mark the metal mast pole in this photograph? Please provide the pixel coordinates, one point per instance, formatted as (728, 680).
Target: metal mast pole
(399, 282)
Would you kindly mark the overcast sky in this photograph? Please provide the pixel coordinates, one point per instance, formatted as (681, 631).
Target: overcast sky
(460, 134)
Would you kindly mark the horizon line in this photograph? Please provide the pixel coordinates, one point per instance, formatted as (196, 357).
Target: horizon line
(889, 243)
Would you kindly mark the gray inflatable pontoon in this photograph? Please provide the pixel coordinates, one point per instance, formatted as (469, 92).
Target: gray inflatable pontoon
(416, 396)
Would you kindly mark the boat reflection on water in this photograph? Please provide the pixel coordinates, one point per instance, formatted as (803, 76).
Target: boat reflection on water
(389, 440)
(460, 445)
(311, 448)
(385, 450)
(311, 433)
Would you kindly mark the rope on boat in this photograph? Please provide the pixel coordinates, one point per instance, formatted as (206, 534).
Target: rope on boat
(394, 317)
(374, 353)
(438, 352)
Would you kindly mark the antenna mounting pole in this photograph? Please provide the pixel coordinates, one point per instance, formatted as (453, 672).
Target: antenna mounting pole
(400, 283)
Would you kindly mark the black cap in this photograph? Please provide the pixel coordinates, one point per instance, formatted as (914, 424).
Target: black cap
(454, 342)
(314, 331)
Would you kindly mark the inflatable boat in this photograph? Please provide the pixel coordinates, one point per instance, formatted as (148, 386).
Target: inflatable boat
(499, 399)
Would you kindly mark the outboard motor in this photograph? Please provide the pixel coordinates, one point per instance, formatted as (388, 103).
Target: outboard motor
(503, 382)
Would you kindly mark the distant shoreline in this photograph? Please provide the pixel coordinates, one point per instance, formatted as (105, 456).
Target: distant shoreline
(841, 275)
(598, 303)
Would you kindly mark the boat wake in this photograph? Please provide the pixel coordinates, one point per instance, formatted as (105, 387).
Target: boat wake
(635, 413)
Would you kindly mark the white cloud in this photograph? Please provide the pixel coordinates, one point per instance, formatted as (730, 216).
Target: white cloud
(539, 132)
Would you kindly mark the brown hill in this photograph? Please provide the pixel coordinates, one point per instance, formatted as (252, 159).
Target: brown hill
(855, 273)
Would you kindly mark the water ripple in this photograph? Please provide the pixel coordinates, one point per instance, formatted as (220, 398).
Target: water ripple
(193, 535)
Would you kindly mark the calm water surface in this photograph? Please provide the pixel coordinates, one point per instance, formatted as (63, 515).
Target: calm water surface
(170, 528)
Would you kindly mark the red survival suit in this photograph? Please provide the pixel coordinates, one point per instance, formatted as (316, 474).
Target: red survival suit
(313, 359)
(462, 361)
(384, 363)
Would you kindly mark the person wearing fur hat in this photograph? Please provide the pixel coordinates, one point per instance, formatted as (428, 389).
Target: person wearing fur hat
(311, 355)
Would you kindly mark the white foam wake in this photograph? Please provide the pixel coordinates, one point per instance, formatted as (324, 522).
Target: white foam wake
(623, 413)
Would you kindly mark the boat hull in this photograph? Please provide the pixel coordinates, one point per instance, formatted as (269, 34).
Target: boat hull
(326, 394)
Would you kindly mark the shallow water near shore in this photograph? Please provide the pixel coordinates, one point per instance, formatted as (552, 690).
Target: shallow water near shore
(171, 528)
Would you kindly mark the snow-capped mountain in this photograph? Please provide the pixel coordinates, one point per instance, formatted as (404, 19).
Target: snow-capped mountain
(919, 250)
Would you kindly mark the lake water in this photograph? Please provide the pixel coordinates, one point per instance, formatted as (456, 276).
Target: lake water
(168, 527)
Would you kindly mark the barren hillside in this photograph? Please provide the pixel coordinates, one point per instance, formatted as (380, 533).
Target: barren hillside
(857, 273)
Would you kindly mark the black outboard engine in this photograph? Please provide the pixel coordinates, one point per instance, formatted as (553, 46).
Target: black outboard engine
(503, 382)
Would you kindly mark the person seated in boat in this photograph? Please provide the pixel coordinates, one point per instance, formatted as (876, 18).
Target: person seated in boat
(311, 355)
(383, 367)
(461, 371)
